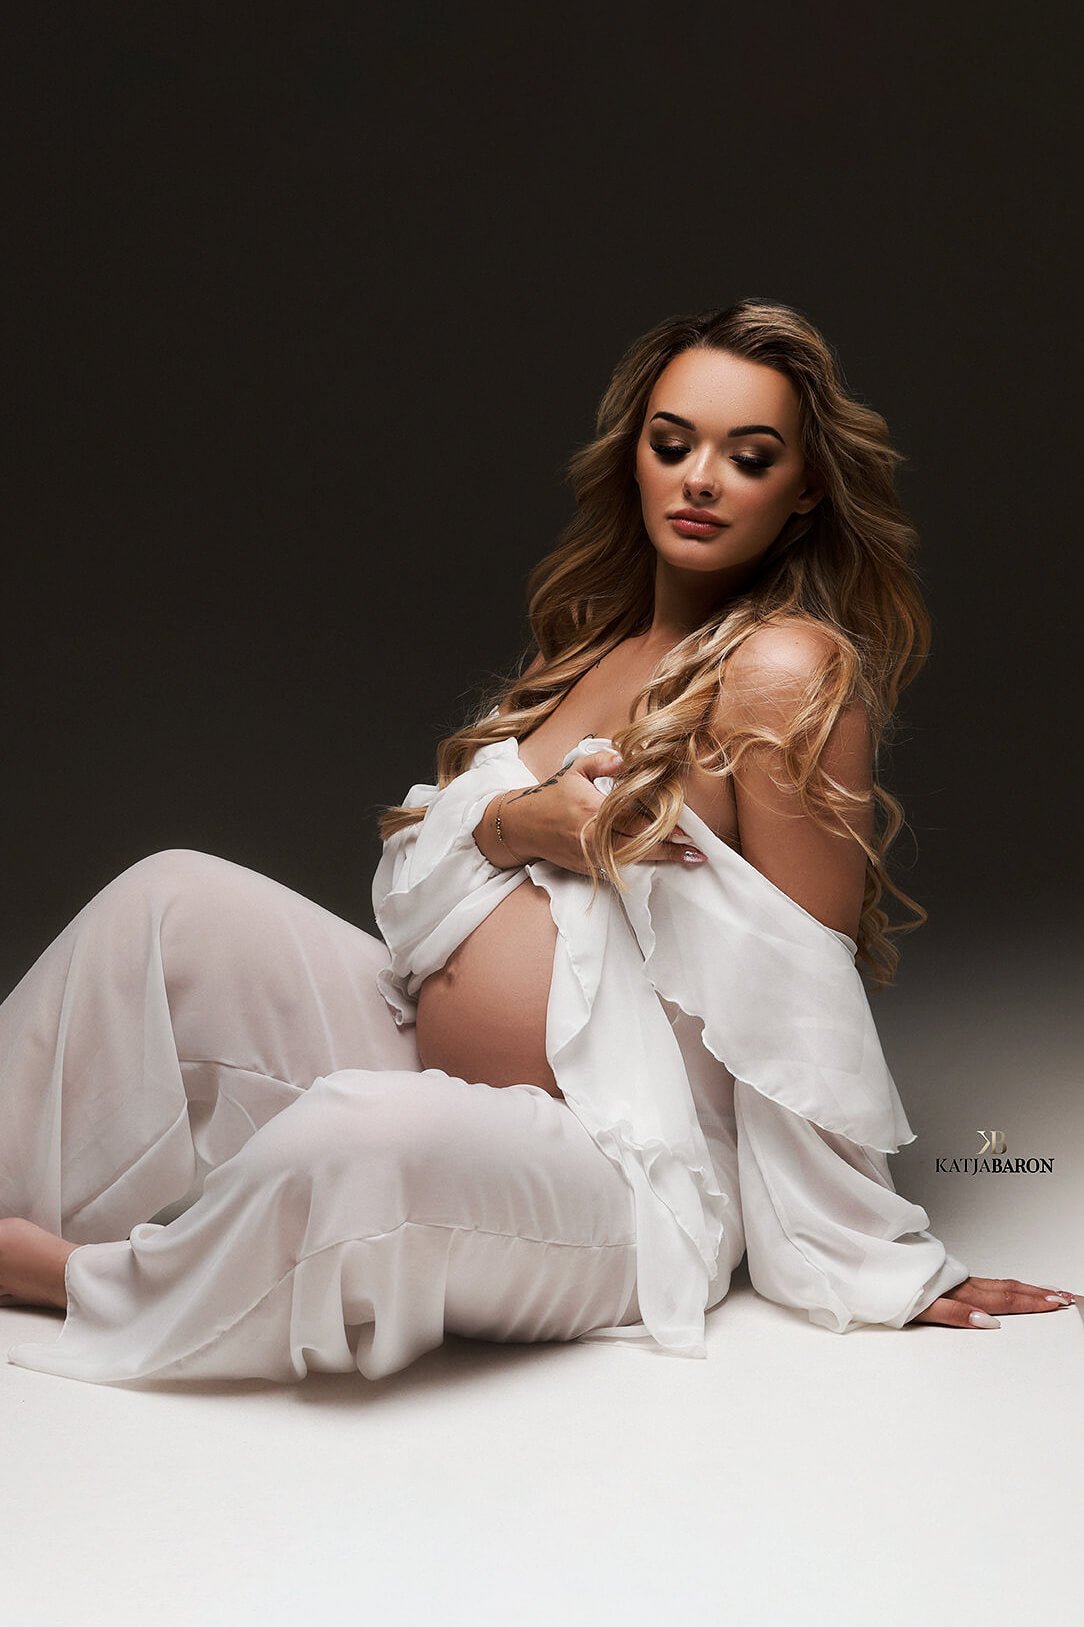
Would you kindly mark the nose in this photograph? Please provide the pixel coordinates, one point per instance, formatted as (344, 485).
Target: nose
(700, 482)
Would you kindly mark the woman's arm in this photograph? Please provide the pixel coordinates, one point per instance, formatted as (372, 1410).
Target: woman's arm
(822, 870)
(824, 873)
(544, 821)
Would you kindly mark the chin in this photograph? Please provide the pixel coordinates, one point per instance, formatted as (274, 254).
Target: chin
(697, 557)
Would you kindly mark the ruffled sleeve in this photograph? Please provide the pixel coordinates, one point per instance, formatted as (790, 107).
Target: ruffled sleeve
(433, 884)
(781, 1000)
(620, 1070)
(784, 1010)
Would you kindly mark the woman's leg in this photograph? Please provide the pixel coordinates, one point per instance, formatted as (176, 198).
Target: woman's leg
(189, 1002)
(378, 1211)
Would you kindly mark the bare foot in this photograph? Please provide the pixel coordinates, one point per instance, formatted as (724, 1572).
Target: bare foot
(32, 1263)
(973, 1302)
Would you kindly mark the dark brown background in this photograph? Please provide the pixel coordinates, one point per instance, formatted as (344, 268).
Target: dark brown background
(277, 282)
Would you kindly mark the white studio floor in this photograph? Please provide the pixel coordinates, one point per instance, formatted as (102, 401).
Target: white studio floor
(796, 1476)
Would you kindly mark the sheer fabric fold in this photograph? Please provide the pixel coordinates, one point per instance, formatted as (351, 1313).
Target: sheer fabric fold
(202, 1038)
(783, 1003)
(204, 1044)
(782, 1022)
(430, 891)
(433, 885)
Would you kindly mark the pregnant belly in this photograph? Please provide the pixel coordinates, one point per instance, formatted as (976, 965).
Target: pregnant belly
(482, 1016)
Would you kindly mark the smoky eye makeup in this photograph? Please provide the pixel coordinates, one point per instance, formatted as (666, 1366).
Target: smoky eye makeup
(672, 452)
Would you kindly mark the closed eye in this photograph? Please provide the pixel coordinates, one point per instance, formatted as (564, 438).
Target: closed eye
(671, 454)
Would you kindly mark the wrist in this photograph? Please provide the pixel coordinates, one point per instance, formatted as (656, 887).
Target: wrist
(500, 830)
(495, 851)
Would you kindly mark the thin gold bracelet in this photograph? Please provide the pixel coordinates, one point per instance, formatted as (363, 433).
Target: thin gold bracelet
(500, 834)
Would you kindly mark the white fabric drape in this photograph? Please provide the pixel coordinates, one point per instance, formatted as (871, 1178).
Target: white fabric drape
(210, 1084)
(205, 1041)
(781, 1007)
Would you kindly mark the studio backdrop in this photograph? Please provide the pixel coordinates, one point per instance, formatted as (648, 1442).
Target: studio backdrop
(311, 311)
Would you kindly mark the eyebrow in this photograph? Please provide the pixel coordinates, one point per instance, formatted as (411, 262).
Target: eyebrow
(740, 429)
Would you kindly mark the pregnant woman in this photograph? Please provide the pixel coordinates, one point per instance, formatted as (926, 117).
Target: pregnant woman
(614, 1034)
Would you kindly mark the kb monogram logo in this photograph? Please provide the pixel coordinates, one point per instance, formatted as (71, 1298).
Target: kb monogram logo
(994, 1141)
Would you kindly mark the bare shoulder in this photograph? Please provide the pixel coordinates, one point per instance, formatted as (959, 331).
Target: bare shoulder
(781, 654)
(759, 709)
(767, 675)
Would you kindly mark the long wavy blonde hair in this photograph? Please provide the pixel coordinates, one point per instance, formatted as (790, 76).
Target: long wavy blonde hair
(847, 565)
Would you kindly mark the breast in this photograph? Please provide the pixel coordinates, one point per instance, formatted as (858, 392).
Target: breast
(482, 1016)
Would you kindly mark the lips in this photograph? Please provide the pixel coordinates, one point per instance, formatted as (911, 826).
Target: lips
(702, 516)
(691, 522)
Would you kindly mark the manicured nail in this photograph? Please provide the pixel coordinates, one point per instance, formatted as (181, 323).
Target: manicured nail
(692, 855)
(979, 1319)
(1058, 1299)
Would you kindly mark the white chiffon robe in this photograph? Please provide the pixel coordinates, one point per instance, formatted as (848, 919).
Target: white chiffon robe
(210, 1085)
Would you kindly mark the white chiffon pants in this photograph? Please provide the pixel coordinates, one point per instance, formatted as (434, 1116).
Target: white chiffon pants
(203, 1043)
(202, 1087)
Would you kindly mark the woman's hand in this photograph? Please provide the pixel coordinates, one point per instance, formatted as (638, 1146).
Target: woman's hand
(976, 1301)
(544, 821)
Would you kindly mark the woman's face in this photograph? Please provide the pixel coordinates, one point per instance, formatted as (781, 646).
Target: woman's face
(720, 440)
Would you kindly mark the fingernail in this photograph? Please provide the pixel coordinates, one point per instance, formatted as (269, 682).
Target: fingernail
(979, 1319)
(692, 855)
(1058, 1299)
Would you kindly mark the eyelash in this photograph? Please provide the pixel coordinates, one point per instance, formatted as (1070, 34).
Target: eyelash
(752, 466)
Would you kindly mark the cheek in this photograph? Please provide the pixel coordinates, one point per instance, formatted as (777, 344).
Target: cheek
(757, 502)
